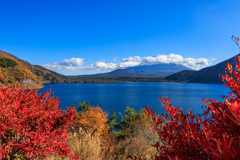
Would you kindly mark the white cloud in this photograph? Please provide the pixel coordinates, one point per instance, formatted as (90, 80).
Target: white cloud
(99, 66)
(72, 62)
(114, 59)
(174, 58)
(67, 64)
(132, 59)
(104, 66)
(171, 58)
(128, 64)
(76, 63)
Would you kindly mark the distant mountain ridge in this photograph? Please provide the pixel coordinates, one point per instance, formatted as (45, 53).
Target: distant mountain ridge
(155, 70)
(158, 70)
(205, 75)
(112, 74)
(120, 72)
(20, 71)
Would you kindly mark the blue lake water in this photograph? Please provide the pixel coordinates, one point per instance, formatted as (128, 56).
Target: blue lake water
(116, 96)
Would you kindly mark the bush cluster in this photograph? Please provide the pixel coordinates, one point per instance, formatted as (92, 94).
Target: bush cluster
(31, 125)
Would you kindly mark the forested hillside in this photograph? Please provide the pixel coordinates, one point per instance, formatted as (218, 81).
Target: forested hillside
(13, 72)
(43, 74)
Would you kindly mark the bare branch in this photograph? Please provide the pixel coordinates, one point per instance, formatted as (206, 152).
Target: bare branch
(236, 40)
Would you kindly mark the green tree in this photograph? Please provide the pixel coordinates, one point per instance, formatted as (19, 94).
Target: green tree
(5, 63)
(129, 122)
(112, 121)
(83, 107)
(133, 134)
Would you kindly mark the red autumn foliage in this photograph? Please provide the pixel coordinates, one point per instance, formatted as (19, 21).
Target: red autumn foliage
(31, 125)
(213, 135)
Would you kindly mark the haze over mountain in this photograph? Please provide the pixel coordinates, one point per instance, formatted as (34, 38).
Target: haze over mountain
(115, 73)
(158, 70)
(205, 75)
(120, 72)
(155, 70)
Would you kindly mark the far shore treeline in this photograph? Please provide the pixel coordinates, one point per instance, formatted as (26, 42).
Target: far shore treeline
(13, 70)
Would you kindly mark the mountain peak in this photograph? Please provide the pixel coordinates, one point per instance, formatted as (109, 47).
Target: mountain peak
(158, 70)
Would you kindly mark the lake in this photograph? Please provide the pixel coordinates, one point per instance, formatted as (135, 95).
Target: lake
(117, 96)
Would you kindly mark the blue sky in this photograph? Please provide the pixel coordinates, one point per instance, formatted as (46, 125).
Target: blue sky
(86, 37)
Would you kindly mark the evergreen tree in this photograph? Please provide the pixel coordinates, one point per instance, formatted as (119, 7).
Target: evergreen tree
(5, 63)
(82, 107)
(129, 122)
(112, 121)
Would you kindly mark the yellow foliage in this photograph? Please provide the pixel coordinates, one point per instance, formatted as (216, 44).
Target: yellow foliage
(12, 75)
(94, 121)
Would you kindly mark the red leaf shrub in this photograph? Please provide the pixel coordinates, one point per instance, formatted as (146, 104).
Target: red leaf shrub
(31, 125)
(215, 134)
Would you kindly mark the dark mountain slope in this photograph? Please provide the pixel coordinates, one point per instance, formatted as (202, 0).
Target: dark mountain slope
(185, 75)
(120, 72)
(205, 75)
(51, 76)
(181, 76)
(158, 70)
(112, 74)
(211, 74)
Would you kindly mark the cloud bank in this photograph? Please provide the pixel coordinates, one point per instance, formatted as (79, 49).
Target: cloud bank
(67, 64)
(77, 63)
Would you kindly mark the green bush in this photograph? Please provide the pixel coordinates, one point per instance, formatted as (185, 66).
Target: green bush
(5, 63)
